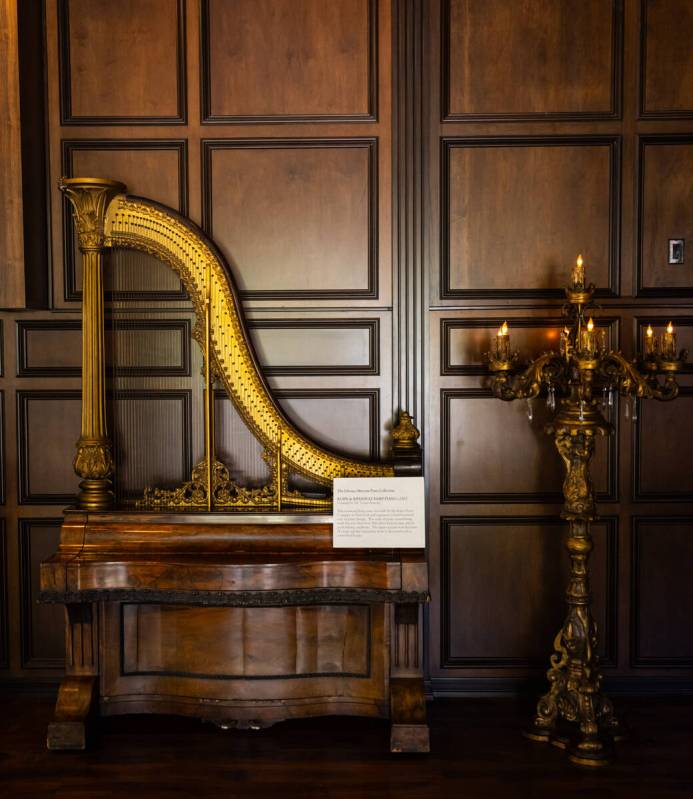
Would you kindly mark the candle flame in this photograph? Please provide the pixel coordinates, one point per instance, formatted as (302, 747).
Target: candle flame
(503, 329)
(649, 331)
(590, 325)
(579, 261)
(670, 328)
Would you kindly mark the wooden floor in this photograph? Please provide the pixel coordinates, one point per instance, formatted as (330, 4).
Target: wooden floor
(476, 752)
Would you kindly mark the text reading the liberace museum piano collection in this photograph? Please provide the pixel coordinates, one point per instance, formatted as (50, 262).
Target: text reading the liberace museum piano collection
(379, 512)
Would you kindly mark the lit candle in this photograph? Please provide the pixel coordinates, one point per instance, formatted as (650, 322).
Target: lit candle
(669, 343)
(503, 343)
(579, 274)
(588, 338)
(649, 342)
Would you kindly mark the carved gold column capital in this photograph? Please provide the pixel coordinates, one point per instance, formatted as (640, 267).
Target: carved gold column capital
(90, 198)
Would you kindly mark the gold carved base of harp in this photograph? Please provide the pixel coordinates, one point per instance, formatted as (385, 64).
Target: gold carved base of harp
(227, 494)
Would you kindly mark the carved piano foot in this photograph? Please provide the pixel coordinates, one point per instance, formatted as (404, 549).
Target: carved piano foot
(75, 704)
(409, 730)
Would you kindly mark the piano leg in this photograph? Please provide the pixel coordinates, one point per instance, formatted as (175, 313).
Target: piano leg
(78, 691)
(409, 730)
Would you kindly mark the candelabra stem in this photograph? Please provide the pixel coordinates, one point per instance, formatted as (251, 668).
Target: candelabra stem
(574, 676)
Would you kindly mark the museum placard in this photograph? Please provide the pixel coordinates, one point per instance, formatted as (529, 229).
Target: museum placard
(381, 512)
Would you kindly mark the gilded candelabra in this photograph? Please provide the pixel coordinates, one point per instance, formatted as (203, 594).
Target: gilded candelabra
(577, 379)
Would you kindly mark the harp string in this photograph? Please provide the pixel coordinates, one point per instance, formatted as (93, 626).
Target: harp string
(156, 415)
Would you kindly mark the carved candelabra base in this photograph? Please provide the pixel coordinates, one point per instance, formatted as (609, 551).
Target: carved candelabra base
(575, 680)
(575, 697)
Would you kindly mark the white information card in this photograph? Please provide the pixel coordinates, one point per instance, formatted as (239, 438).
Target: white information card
(379, 512)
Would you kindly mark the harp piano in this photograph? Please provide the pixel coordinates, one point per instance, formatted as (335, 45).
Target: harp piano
(215, 599)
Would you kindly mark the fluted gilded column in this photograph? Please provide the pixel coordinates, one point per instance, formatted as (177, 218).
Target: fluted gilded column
(94, 460)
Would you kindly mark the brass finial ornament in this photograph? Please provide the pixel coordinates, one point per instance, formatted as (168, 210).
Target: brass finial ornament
(583, 375)
(90, 198)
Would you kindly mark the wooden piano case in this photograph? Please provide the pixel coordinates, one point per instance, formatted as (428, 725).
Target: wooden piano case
(213, 600)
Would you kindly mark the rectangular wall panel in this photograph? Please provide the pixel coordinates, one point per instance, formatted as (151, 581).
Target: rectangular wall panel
(152, 168)
(48, 426)
(317, 346)
(503, 589)
(314, 234)
(42, 625)
(12, 289)
(141, 81)
(289, 60)
(135, 347)
(4, 615)
(545, 59)
(153, 445)
(666, 199)
(3, 451)
(666, 80)
(492, 452)
(533, 186)
(343, 420)
(662, 599)
(236, 446)
(663, 446)
(465, 343)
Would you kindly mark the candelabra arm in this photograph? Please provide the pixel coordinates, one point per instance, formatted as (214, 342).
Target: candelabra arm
(547, 369)
(625, 376)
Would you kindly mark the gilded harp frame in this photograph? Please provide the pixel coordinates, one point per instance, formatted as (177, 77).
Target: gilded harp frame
(106, 217)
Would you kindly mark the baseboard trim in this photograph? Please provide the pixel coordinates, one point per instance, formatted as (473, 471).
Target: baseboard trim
(460, 687)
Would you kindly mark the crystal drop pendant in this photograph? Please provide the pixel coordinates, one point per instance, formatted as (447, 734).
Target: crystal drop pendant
(530, 410)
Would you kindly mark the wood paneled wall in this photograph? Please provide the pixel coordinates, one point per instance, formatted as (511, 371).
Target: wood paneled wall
(390, 180)
(559, 128)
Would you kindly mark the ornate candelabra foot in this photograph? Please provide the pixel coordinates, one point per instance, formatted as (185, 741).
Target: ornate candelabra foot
(575, 698)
